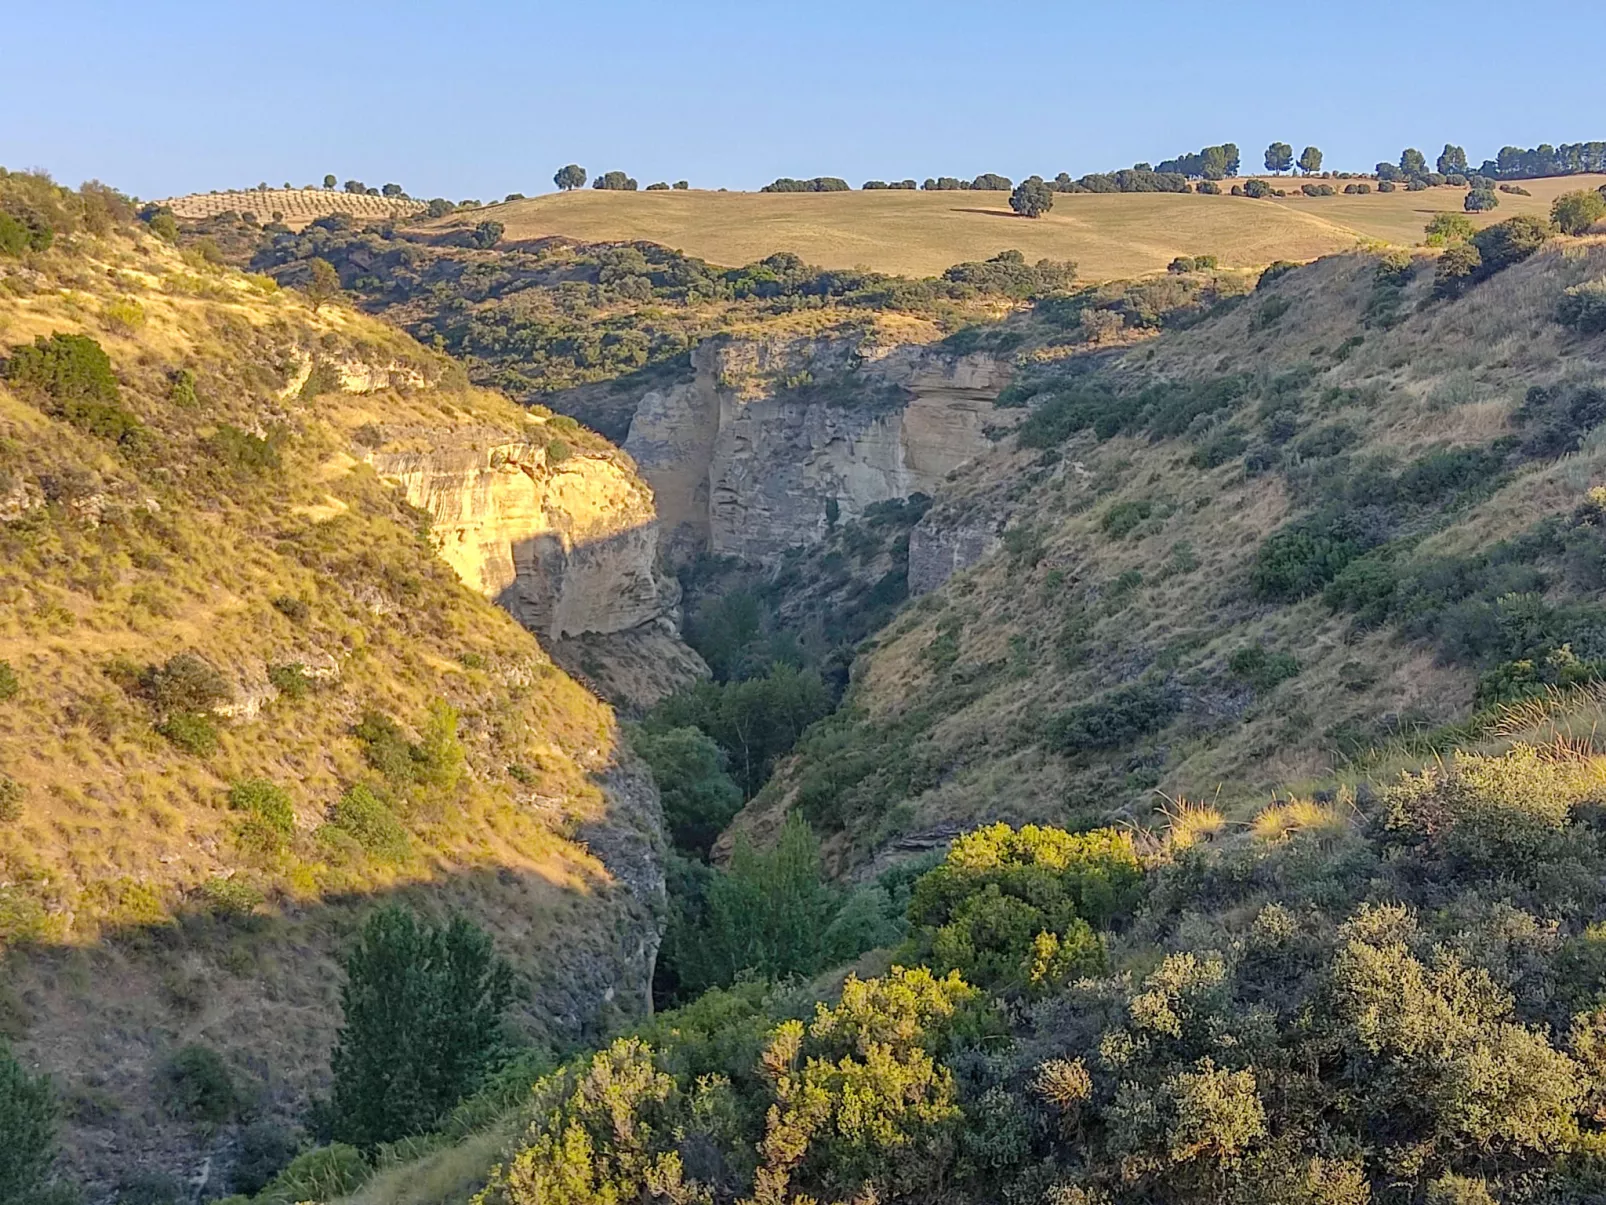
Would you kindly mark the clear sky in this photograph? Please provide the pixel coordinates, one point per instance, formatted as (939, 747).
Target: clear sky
(479, 99)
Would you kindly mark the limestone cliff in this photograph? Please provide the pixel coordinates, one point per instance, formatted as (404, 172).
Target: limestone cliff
(566, 547)
(774, 440)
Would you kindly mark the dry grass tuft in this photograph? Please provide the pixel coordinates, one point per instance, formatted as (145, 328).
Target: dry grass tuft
(1279, 821)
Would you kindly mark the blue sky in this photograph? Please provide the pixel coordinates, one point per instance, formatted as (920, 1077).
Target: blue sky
(482, 99)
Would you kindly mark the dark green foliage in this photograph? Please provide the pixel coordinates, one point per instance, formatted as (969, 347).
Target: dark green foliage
(296, 610)
(291, 681)
(1161, 410)
(1257, 189)
(1117, 718)
(572, 176)
(1297, 561)
(423, 1009)
(1192, 263)
(1583, 307)
(1273, 272)
(817, 184)
(181, 388)
(192, 731)
(992, 182)
(9, 686)
(753, 721)
(197, 1087)
(1007, 273)
(1032, 198)
(185, 682)
(75, 374)
(1310, 160)
(268, 818)
(433, 763)
(766, 914)
(487, 235)
(243, 453)
(151, 1188)
(1576, 212)
(1279, 157)
(1479, 200)
(1120, 520)
(1212, 163)
(1555, 419)
(1261, 668)
(699, 799)
(28, 1122)
(322, 1174)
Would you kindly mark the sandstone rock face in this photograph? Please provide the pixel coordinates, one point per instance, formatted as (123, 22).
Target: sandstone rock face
(772, 441)
(566, 548)
(938, 552)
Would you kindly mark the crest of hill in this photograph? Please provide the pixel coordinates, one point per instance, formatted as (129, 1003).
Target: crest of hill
(244, 699)
(1109, 236)
(298, 205)
(1136, 635)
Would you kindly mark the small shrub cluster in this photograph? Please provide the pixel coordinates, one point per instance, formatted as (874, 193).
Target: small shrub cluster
(198, 1087)
(1490, 250)
(74, 373)
(1192, 263)
(268, 818)
(1117, 718)
(1583, 307)
(1261, 668)
(817, 184)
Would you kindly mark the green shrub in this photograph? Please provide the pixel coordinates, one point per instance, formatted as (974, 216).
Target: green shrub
(1270, 312)
(181, 389)
(699, 798)
(9, 685)
(1118, 717)
(557, 451)
(264, 1150)
(1261, 669)
(28, 1121)
(242, 452)
(323, 377)
(164, 226)
(294, 609)
(423, 1014)
(10, 799)
(1583, 307)
(1447, 228)
(1576, 212)
(76, 375)
(184, 682)
(192, 731)
(197, 1086)
(1120, 520)
(290, 681)
(1015, 909)
(1297, 561)
(1273, 272)
(323, 1174)
(270, 819)
(231, 896)
(1457, 270)
(369, 820)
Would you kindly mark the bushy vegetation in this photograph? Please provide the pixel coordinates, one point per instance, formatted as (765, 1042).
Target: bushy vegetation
(423, 1009)
(28, 1120)
(73, 376)
(198, 1086)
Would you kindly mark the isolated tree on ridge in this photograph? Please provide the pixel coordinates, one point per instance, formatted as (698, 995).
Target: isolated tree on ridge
(1413, 162)
(1279, 158)
(1032, 198)
(572, 176)
(324, 285)
(329, 180)
(1310, 160)
(1452, 161)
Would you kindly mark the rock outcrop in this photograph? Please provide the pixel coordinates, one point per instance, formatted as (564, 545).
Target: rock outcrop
(566, 548)
(773, 441)
(938, 551)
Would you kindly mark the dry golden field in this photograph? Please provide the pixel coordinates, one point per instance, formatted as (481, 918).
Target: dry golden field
(1110, 236)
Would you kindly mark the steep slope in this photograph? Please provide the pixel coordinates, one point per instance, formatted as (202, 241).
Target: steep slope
(1288, 544)
(243, 697)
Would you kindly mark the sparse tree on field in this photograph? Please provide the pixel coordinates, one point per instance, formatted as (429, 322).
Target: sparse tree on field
(1452, 161)
(1576, 212)
(1032, 198)
(324, 284)
(571, 176)
(356, 187)
(1413, 162)
(392, 190)
(329, 180)
(1310, 160)
(1279, 158)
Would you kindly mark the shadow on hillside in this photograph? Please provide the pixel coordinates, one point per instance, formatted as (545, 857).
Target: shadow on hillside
(263, 988)
(992, 213)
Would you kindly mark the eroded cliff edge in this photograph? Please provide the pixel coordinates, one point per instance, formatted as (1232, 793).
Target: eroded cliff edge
(773, 441)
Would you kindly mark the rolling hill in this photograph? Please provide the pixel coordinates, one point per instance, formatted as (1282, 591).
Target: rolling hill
(1109, 236)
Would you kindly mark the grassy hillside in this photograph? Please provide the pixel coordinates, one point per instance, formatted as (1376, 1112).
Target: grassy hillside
(922, 233)
(241, 698)
(1302, 542)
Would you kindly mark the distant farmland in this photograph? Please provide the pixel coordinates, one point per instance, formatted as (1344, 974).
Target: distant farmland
(921, 233)
(298, 205)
